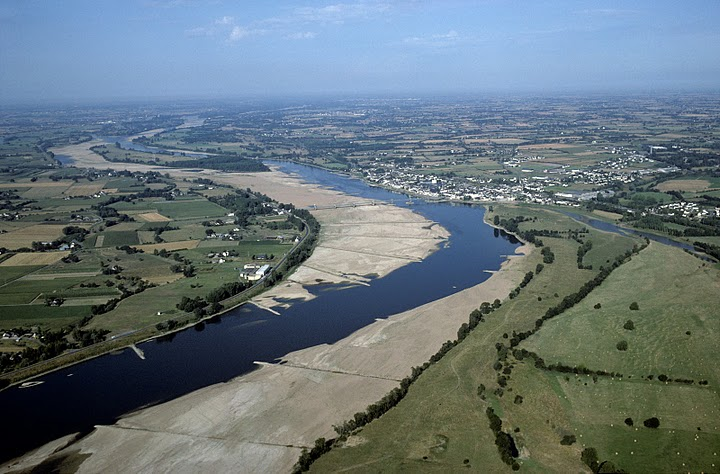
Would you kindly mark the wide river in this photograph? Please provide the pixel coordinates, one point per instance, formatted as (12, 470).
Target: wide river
(101, 390)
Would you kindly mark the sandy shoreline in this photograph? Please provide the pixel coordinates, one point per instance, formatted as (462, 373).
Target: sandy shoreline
(260, 421)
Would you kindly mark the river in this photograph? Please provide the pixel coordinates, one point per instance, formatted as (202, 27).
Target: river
(101, 390)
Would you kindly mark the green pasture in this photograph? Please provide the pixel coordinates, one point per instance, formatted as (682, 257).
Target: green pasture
(594, 410)
(676, 310)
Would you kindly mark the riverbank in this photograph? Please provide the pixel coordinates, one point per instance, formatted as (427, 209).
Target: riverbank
(356, 243)
(261, 421)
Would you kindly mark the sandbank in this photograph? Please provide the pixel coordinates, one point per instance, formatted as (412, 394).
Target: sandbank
(259, 422)
(262, 420)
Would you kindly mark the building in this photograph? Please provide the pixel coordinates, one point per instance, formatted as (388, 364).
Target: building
(255, 274)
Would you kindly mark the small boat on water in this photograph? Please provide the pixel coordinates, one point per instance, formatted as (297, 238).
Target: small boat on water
(31, 384)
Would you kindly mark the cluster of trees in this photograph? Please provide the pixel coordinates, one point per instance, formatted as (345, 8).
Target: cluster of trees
(709, 226)
(512, 225)
(710, 249)
(308, 457)
(226, 291)
(589, 457)
(53, 343)
(548, 255)
(477, 316)
(139, 285)
(526, 279)
(245, 204)
(190, 305)
(89, 337)
(129, 250)
(187, 270)
(539, 362)
(70, 233)
(504, 441)
(104, 308)
(304, 250)
(582, 250)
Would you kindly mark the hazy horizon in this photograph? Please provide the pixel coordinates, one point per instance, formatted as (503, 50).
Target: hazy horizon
(91, 51)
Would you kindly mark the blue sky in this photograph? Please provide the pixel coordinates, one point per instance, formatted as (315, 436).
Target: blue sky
(95, 49)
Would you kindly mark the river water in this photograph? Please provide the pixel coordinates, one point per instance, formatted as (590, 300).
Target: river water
(99, 391)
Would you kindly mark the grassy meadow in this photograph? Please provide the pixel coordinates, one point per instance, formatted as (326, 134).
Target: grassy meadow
(441, 424)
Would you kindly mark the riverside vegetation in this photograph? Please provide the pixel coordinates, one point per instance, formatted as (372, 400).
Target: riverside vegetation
(536, 382)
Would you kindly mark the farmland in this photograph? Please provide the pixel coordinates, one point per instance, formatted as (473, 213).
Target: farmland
(111, 252)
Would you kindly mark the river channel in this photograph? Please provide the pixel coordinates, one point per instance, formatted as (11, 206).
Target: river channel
(101, 390)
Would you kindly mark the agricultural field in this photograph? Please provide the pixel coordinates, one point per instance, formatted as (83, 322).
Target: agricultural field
(110, 252)
(554, 415)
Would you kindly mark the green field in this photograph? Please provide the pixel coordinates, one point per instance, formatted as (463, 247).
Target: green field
(441, 425)
(42, 316)
(189, 209)
(672, 303)
(113, 238)
(8, 274)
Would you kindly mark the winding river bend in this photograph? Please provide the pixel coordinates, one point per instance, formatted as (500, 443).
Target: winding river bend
(101, 390)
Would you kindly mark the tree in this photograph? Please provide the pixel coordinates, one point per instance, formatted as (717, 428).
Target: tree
(629, 325)
(634, 306)
(651, 422)
(622, 345)
(590, 457)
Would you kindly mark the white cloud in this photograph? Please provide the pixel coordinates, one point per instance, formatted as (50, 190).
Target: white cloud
(298, 19)
(198, 32)
(341, 12)
(441, 40)
(226, 20)
(239, 33)
(609, 12)
(302, 36)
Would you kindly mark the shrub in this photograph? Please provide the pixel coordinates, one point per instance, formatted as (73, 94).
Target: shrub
(629, 325)
(597, 306)
(629, 421)
(567, 440)
(622, 346)
(634, 306)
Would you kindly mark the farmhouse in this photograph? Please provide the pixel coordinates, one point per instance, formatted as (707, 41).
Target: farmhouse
(254, 274)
